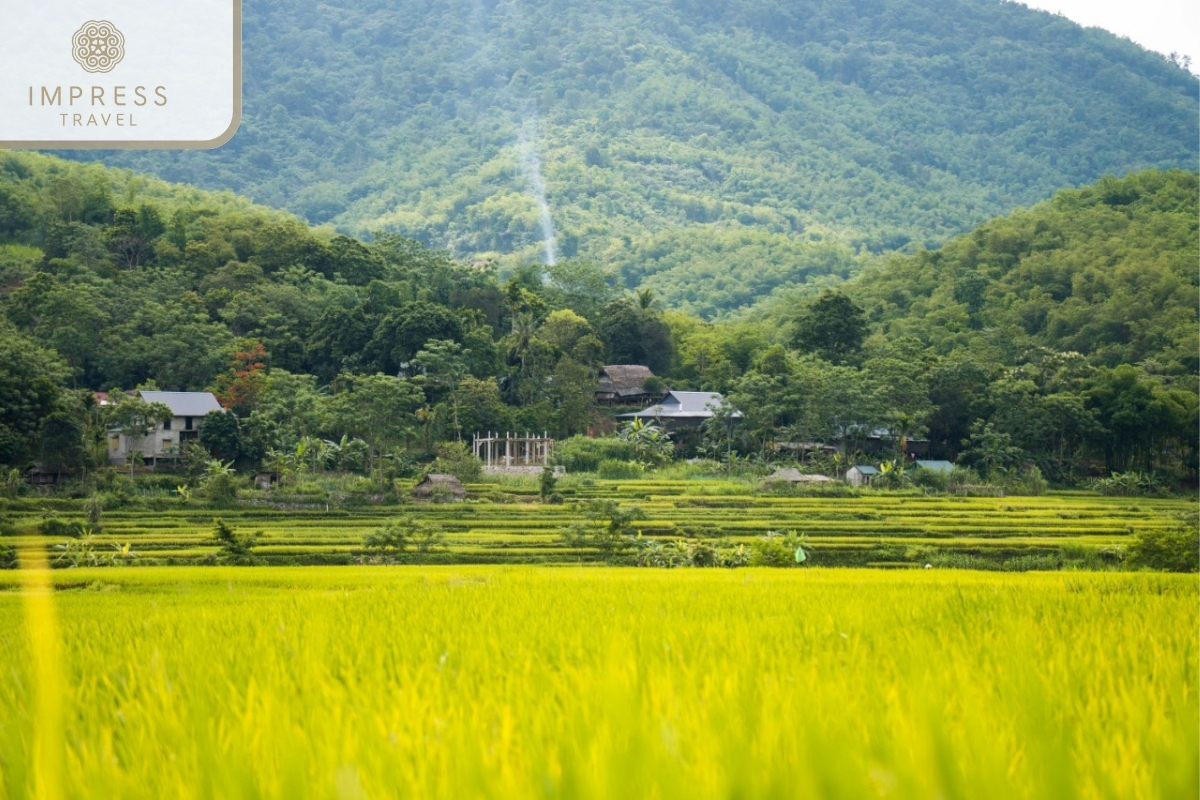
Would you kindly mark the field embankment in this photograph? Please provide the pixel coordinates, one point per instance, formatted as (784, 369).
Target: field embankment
(508, 524)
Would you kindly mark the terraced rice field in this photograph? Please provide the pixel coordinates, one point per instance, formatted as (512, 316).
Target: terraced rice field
(505, 525)
(511, 682)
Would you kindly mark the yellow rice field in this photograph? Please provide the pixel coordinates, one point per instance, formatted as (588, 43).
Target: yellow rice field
(593, 682)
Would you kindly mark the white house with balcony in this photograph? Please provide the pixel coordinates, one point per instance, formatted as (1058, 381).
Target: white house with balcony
(166, 442)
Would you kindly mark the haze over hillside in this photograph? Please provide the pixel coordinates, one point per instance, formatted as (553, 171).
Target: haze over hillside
(713, 152)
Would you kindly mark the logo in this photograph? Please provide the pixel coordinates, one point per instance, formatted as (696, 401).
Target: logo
(98, 46)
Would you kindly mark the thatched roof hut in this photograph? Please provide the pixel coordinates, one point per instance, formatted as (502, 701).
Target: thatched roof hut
(435, 486)
(793, 475)
(624, 384)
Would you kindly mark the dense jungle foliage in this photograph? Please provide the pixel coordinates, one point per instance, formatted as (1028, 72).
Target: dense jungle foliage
(714, 152)
(1061, 337)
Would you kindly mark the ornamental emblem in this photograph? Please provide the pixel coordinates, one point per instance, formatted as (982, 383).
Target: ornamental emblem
(98, 46)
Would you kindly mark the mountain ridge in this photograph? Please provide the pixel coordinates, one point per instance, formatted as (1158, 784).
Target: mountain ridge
(688, 148)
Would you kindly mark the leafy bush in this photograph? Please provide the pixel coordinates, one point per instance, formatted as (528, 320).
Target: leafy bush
(8, 556)
(404, 539)
(1128, 484)
(611, 469)
(1025, 481)
(1170, 551)
(220, 483)
(56, 526)
(650, 552)
(584, 454)
(234, 548)
(930, 479)
(606, 528)
(455, 458)
(779, 549)
(960, 477)
(547, 483)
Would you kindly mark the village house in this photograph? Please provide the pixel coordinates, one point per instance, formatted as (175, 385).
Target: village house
(681, 410)
(626, 385)
(167, 441)
(861, 475)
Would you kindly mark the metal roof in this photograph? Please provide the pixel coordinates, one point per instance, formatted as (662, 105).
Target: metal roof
(683, 405)
(936, 466)
(184, 404)
(865, 469)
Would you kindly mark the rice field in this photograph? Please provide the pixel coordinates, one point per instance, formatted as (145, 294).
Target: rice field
(511, 681)
(508, 524)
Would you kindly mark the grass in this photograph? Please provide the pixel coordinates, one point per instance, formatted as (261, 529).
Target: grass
(521, 682)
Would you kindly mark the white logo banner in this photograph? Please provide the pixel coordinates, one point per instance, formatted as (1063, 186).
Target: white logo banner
(119, 73)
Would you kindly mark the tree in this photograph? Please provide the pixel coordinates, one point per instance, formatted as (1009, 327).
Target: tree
(546, 483)
(377, 409)
(221, 435)
(238, 389)
(405, 539)
(455, 458)
(233, 547)
(606, 528)
(337, 339)
(832, 326)
(61, 447)
(404, 331)
(444, 363)
(30, 378)
(634, 335)
(989, 450)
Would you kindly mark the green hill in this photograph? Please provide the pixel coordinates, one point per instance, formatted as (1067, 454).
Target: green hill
(1064, 334)
(712, 152)
(1107, 271)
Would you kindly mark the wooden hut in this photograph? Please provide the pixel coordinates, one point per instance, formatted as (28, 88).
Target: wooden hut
(625, 385)
(861, 475)
(436, 486)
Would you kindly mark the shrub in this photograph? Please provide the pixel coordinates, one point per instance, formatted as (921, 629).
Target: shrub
(607, 529)
(234, 548)
(779, 549)
(547, 483)
(220, 483)
(8, 556)
(1170, 551)
(11, 482)
(930, 479)
(455, 458)
(612, 469)
(1128, 484)
(94, 509)
(960, 477)
(1027, 481)
(53, 525)
(404, 539)
(584, 454)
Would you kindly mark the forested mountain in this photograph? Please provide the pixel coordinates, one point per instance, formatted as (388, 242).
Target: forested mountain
(714, 152)
(1063, 335)
(1107, 271)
